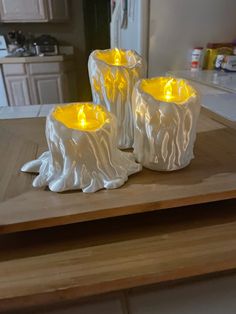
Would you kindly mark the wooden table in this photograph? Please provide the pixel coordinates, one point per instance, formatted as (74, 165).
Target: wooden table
(210, 177)
(64, 263)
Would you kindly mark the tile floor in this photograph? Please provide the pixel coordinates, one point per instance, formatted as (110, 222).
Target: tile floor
(212, 296)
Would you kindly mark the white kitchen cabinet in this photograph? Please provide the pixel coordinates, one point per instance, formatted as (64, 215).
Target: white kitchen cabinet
(33, 11)
(50, 82)
(18, 90)
(47, 89)
(40, 82)
(25, 10)
(58, 10)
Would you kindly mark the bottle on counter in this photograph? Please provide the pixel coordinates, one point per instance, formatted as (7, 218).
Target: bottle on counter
(196, 60)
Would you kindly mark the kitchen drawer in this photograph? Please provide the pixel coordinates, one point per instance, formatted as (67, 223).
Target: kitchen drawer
(44, 68)
(14, 69)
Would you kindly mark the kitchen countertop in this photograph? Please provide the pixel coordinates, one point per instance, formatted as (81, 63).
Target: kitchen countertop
(42, 110)
(58, 58)
(32, 111)
(226, 81)
(217, 102)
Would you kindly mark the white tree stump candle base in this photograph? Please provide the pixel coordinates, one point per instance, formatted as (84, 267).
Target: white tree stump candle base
(165, 113)
(83, 151)
(113, 73)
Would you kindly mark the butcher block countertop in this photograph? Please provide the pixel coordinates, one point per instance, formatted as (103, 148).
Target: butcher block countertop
(157, 228)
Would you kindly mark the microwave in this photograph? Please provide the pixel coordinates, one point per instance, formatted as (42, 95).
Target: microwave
(46, 45)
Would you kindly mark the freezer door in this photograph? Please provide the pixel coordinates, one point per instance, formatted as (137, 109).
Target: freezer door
(129, 25)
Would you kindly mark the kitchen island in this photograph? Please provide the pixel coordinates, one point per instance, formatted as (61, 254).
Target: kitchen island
(63, 268)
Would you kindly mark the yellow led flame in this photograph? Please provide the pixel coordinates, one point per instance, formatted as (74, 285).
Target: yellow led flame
(81, 117)
(84, 117)
(117, 57)
(168, 89)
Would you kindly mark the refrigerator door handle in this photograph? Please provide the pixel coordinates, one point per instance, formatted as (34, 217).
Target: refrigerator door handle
(115, 26)
(124, 22)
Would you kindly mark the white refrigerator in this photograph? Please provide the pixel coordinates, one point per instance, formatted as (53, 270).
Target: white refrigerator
(3, 53)
(3, 95)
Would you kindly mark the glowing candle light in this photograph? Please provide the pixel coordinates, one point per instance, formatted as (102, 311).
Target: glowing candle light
(85, 116)
(168, 89)
(81, 117)
(168, 93)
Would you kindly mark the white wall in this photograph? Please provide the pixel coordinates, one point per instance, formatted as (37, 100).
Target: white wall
(178, 25)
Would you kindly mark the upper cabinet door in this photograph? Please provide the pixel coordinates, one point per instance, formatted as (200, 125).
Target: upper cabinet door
(58, 10)
(23, 10)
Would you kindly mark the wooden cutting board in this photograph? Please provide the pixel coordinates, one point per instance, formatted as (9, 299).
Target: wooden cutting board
(210, 177)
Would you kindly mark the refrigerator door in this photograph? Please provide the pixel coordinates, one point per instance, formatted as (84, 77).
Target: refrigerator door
(129, 25)
(3, 95)
(3, 47)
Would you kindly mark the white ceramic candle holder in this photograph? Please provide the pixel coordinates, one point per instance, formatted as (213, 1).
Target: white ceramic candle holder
(83, 153)
(165, 113)
(112, 74)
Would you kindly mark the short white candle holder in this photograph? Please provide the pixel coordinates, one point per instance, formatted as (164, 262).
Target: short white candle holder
(165, 113)
(83, 153)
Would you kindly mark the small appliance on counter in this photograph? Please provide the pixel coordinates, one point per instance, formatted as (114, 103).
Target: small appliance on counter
(46, 45)
(19, 44)
(16, 40)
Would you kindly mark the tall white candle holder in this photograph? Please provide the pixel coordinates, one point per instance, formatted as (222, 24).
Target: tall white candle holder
(165, 113)
(83, 153)
(112, 74)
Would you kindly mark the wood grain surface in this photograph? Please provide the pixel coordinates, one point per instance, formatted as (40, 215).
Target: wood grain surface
(210, 177)
(66, 263)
